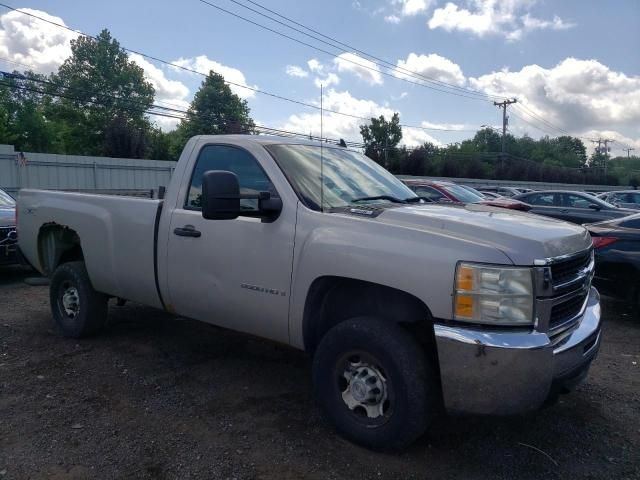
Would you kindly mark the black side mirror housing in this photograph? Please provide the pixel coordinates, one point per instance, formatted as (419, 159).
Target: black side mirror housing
(593, 206)
(221, 198)
(220, 195)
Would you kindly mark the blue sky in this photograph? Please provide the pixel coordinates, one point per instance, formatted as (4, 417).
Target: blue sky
(573, 63)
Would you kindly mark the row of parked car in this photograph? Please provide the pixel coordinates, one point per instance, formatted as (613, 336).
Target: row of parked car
(612, 219)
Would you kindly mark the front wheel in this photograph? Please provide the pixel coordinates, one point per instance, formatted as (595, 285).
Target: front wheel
(77, 309)
(373, 381)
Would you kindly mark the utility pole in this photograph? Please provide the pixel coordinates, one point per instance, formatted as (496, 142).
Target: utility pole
(503, 105)
(604, 151)
(628, 150)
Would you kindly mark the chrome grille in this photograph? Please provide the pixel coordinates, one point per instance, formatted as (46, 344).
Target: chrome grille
(5, 233)
(571, 272)
(566, 311)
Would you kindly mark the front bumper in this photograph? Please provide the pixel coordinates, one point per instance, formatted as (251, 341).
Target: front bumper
(504, 372)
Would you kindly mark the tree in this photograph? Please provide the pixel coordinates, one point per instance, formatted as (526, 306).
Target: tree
(215, 109)
(381, 137)
(101, 99)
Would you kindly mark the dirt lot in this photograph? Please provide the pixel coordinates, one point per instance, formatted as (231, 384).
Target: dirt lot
(163, 397)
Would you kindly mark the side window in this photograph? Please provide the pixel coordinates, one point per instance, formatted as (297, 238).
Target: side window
(631, 223)
(576, 201)
(542, 199)
(251, 177)
(430, 193)
(634, 197)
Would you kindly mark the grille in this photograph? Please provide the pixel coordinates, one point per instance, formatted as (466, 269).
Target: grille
(4, 233)
(566, 311)
(567, 270)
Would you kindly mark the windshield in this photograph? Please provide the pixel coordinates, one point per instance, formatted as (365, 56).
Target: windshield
(6, 200)
(348, 176)
(461, 194)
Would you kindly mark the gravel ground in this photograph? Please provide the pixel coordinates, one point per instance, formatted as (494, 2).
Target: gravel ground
(163, 397)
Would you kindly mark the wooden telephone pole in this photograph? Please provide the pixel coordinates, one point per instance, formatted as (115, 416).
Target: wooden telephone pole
(503, 105)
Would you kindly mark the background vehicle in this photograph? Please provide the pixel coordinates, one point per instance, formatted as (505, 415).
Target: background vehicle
(490, 194)
(404, 306)
(448, 192)
(503, 191)
(617, 256)
(622, 198)
(575, 207)
(8, 237)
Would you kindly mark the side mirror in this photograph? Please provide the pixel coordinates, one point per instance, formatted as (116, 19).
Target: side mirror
(221, 198)
(220, 195)
(593, 206)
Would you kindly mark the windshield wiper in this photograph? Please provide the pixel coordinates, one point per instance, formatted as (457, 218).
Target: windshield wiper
(389, 198)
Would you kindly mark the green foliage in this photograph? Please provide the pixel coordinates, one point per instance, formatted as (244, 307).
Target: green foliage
(99, 101)
(215, 109)
(381, 137)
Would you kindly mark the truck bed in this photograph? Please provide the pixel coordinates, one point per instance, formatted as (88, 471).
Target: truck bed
(118, 238)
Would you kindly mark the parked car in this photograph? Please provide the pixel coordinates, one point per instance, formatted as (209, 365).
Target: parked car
(448, 192)
(490, 195)
(403, 306)
(617, 256)
(8, 236)
(622, 198)
(575, 207)
(503, 191)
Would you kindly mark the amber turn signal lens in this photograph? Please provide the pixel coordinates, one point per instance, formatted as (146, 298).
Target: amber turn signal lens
(464, 280)
(464, 306)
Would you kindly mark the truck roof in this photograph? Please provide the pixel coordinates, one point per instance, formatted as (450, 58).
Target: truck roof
(264, 140)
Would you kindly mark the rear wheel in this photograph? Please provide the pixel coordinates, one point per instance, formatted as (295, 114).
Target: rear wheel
(77, 309)
(373, 381)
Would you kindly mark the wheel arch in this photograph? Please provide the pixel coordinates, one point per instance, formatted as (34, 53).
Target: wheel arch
(57, 244)
(332, 299)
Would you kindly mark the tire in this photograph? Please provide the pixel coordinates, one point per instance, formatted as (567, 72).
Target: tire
(374, 383)
(77, 309)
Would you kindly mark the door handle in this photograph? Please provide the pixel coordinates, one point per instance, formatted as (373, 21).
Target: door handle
(187, 231)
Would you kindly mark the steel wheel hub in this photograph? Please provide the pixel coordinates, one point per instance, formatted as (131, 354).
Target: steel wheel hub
(71, 301)
(366, 390)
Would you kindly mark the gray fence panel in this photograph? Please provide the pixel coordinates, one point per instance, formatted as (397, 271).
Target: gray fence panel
(75, 172)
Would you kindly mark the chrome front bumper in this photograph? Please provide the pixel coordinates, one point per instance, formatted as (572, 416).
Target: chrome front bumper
(498, 372)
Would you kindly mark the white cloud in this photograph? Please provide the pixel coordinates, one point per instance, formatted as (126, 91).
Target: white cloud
(432, 66)
(412, 137)
(170, 93)
(412, 7)
(361, 67)
(392, 19)
(296, 71)
(315, 65)
(510, 18)
(334, 125)
(26, 40)
(575, 95)
(204, 64)
(326, 82)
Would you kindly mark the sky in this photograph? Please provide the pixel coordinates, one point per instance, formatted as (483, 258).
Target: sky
(572, 65)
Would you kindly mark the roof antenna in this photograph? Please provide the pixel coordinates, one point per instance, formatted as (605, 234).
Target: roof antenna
(321, 156)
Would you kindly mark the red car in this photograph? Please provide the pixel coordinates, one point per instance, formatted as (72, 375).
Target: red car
(447, 192)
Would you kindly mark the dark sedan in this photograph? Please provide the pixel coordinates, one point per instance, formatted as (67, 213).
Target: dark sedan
(575, 207)
(617, 254)
(8, 239)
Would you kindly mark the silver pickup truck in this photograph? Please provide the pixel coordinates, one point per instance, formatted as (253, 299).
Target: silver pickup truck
(404, 306)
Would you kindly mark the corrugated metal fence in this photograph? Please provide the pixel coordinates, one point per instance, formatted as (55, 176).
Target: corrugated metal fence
(72, 172)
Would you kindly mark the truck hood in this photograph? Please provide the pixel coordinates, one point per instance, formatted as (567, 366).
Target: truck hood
(521, 236)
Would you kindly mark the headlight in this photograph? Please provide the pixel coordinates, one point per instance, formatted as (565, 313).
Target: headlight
(493, 295)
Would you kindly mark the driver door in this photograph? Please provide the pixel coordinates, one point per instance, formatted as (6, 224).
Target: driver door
(233, 273)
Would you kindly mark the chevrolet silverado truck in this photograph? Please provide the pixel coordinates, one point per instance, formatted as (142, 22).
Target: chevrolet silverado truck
(405, 307)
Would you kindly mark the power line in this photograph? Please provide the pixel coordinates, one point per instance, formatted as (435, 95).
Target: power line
(349, 49)
(253, 89)
(301, 42)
